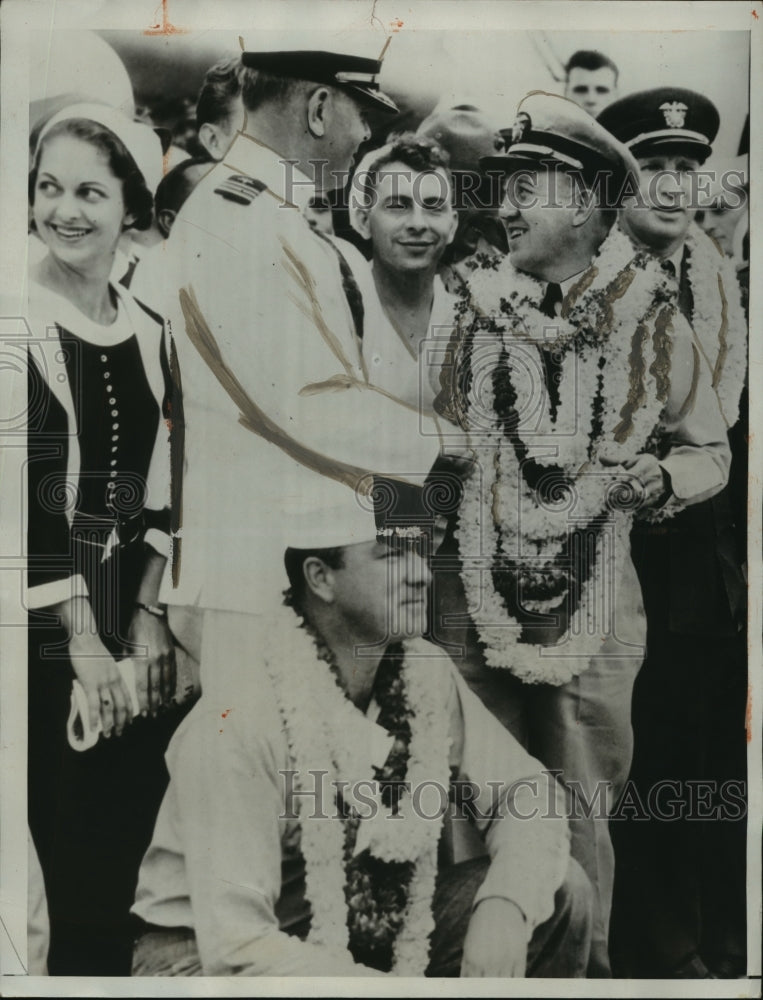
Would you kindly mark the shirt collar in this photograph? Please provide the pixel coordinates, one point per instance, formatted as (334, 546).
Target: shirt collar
(253, 158)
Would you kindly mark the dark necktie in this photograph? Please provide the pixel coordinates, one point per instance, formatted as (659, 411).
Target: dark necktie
(350, 286)
(128, 275)
(685, 297)
(551, 300)
(552, 360)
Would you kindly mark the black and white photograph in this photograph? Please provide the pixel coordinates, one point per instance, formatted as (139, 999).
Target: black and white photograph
(381, 523)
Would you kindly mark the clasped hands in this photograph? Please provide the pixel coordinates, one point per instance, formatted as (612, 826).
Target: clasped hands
(97, 671)
(653, 479)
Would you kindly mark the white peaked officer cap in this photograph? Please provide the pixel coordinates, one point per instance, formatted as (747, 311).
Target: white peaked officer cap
(552, 131)
(326, 513)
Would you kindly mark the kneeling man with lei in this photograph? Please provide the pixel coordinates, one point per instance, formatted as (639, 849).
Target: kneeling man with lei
(353, 809)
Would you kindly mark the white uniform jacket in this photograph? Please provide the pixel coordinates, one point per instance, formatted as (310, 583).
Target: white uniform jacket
(247, 275)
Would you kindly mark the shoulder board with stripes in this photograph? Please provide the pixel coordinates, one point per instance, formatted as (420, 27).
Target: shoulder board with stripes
(241, 189)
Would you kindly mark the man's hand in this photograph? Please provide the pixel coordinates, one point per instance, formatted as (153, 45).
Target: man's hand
(648, 471)
(496, 941)
(155, 675)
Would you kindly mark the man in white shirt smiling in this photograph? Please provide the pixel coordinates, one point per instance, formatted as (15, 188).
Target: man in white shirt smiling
(402, 202)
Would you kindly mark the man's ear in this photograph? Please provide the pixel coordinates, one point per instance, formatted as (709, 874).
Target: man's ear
(362, 220)
(317, 111)
(164, 220)
(319, 578)
(210, 140)
(586, 203)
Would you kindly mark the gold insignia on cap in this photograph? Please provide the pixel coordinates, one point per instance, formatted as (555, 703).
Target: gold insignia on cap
(520, 126)
(675, 113)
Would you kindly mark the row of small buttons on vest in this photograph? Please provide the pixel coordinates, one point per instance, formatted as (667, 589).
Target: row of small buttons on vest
(114, 426)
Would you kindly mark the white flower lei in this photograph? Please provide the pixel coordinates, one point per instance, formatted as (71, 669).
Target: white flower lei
(718, 319)
(498, 631)
(624, 325)
(324, 731)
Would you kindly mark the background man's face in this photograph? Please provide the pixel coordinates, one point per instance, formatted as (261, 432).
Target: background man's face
(537, 211)
(381, 590)
(721, 221)
(666, 186)
(411, 220)
(318, 214)
(165, 217)
(592, 89)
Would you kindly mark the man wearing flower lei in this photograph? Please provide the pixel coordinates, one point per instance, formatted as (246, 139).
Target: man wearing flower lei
(305, 832)
(674, 914)
(586, 405)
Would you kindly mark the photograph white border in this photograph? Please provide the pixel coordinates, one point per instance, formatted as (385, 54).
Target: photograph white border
(245, 16)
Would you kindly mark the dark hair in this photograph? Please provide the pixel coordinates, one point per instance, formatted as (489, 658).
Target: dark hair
(590, 59)
(415, 151)
(294, 561)
(259, 87)
(418, 152)
(229, 78)
(222, 85)
(175, 186)
(137, 198)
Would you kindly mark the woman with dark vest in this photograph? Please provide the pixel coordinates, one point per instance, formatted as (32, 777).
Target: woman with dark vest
(98, 537)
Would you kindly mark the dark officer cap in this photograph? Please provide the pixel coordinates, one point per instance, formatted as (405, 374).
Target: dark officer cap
(664, 119)
(357, 75)
(550, 130)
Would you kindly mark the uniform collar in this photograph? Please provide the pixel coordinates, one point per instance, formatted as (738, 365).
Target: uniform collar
(253, 158)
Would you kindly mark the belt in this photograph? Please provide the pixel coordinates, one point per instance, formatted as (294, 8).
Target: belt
(107, 532)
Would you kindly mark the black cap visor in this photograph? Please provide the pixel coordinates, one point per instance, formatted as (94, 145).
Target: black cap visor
(686, 144)
(370, 97)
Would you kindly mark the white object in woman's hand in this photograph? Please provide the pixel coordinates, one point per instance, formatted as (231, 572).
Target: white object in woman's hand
(107, 695)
